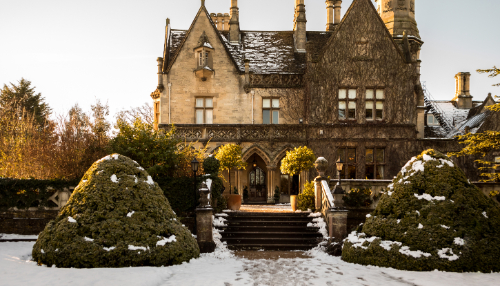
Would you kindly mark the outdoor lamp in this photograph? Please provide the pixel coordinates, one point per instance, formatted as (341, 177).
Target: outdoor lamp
(194, 165)
(254, 163)
(340, 165)
(338, 193)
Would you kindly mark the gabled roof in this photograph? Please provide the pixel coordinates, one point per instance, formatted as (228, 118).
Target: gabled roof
(182, 39)
(269, 52)
(461, 119)
(346, 16)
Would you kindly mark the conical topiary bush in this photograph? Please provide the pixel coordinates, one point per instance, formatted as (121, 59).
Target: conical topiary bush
(430, 218)
(116, 217)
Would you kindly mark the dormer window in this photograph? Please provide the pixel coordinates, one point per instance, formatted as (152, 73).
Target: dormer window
(204, 60)
(432, 120)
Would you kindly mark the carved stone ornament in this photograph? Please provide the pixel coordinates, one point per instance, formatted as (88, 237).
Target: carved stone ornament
(204, 201)
(402, 5)
(321, 165)
(388, 6)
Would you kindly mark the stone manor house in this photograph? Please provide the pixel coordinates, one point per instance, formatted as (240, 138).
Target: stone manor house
(351, 92)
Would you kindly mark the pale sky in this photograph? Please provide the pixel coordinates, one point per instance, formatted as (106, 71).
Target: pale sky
(76, 51)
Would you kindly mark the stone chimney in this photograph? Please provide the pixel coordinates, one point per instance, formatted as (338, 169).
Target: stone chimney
(299, 26)
(462, 87)
(329, 15)
(398, 16)
(234, 23)
(160, 73)
(336, 20)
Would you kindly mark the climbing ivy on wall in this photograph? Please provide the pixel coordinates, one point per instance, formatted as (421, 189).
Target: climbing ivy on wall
(360, 55)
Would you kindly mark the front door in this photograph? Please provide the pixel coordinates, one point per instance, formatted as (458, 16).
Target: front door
(258, 190)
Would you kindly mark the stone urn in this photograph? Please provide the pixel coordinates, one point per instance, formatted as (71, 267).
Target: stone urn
(321, 165)
(234, 202)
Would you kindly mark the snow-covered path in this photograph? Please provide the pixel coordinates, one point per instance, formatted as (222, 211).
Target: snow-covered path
(17, 269)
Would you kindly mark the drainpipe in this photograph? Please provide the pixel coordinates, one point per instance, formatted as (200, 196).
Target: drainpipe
(169, 110)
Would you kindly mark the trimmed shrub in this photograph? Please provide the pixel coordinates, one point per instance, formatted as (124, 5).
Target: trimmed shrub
(430, 218)
(116, 217)
(180, 193)
(358, 198)
(306, 199)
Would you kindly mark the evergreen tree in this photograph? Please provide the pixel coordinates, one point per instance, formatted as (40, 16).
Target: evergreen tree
(21, 98)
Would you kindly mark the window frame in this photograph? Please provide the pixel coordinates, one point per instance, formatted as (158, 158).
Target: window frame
(347, 100)
(375, 164)
(204, 108)
(374, 100)
(271, 110)
(346, 163)
(435, 122)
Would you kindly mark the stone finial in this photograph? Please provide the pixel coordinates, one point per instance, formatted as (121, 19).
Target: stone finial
(202, 2)
(321, 165)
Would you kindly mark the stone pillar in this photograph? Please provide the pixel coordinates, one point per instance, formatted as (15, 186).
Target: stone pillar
(321, 165)
(204, 223)
(270, 184)
(318, 193)
(337, 8)
(337, 224)
(329, 15)
(300, 38)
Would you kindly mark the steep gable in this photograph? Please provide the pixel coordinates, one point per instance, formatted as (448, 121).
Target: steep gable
(362, 54)
(202, 18)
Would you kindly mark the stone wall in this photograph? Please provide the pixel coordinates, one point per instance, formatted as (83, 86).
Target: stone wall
(25, 222)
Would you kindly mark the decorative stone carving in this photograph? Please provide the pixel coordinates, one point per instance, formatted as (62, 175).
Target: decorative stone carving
(276, 80)
(402, 5)
(388, 6)
(321, 165)
(204, 201)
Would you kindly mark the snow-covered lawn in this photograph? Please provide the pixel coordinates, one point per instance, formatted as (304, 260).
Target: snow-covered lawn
(16, 268)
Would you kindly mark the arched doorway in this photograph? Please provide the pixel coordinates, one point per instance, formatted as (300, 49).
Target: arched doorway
(257, 179)
(258, 190)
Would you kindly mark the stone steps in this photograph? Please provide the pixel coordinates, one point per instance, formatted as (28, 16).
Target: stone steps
(269, 231)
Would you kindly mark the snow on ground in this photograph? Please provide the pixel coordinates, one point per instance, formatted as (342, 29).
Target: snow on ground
(17, 236)
(16, 268)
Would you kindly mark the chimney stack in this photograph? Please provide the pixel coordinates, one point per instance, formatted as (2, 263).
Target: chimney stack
(234, 23)
(337, 12)
(462, 95)
(160, 73)
(329, 15)
(299, 28)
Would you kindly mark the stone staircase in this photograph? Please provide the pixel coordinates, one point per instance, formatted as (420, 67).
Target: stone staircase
(269, 231)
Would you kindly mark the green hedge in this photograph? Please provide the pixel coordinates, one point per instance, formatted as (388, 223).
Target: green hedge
(25, 193)
(180, 193)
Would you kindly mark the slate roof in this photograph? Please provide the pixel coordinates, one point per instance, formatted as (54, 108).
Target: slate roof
(269, 52)
(459, 119)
